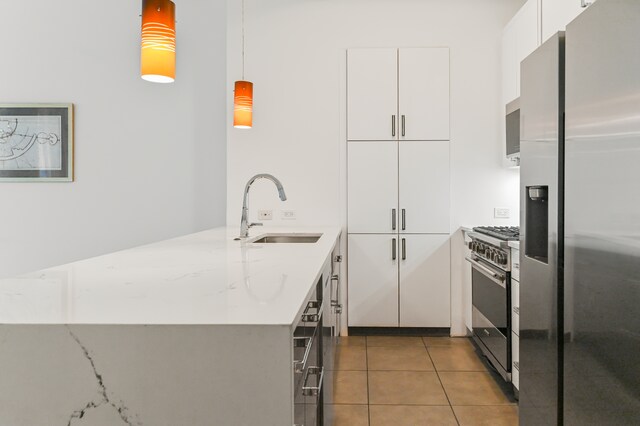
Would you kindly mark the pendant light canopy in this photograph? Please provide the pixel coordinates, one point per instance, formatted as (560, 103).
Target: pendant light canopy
(158, 50)
(243, 105)
(243, 95)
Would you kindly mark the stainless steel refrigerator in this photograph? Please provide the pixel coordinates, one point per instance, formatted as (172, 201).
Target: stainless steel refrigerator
(580, 222)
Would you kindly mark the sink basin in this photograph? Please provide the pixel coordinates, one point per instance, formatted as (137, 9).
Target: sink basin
(287, 239)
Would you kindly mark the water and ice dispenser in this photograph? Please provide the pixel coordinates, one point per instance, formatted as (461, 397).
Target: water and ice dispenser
(537, 223)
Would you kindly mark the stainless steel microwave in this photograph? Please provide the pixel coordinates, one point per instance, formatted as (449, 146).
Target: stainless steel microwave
(513, 130)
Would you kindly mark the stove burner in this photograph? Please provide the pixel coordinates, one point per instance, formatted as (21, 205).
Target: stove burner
(505, 233)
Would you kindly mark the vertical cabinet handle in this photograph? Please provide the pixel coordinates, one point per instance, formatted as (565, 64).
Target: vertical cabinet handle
(393, 125)
(393, 249)
(404, 219)
(404, 249)
(403, 125)
(393, 219)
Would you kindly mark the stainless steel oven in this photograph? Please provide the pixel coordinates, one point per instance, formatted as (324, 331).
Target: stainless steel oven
(491, 298)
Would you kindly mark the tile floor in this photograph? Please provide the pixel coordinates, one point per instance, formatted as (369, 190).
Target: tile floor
(406, 381)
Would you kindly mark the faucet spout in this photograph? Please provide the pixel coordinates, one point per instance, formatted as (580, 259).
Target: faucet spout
(244, 221)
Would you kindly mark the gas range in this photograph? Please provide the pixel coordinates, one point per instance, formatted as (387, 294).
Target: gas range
(506, 233)
(490, 243)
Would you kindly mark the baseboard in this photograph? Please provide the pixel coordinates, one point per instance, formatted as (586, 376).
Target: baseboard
(400, 331)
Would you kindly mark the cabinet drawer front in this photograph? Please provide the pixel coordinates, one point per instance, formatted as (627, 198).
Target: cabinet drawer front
(515, 264)
(515, 360)
(515, 306)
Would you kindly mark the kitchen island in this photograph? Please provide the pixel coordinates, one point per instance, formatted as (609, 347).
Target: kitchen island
(196, 330)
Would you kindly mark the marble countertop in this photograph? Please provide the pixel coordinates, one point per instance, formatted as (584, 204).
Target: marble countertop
(205, 278)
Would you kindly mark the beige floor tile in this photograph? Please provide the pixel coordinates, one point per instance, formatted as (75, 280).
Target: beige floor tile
(411, 415)
(447, 341)
(352, 341)
(350, 387)
(410, 358)
(346, 415)
(405, 388)
(394, 341)
(487, 416)
(472, 388)
(351, 358)
(455, 358)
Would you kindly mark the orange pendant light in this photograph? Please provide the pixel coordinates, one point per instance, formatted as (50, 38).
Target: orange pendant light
(243, 95)
(158, 50)
(243, 105)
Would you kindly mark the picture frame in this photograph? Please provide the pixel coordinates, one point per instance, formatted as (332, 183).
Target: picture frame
(36, 143)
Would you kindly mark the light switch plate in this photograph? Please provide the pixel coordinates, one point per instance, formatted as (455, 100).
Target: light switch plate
(265, 214)
(288, 214)
(501, 213)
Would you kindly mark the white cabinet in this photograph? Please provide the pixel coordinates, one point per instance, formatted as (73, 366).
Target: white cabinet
(373, 280)
(372, 187)
(425, 291)
(515, 318)
(424, 187)
(423, 94)
(372, 91)
(510, 71)
(398, 187)
(532, 25)
(556, 14)
(398, 94)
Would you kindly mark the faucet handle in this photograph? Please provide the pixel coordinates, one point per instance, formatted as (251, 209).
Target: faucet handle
(255, 224)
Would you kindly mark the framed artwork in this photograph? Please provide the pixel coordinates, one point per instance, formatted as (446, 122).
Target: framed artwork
(36, 142)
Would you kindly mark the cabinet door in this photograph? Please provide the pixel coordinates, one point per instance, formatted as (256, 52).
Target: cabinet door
(510, 66)
(424, 93)
(372, 94)
(527, 24)
(556, 14)
(372, 187)
(373, 281)
(424, 188)
(425, 284)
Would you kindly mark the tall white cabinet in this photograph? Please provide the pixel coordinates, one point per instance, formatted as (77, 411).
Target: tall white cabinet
(398, 187)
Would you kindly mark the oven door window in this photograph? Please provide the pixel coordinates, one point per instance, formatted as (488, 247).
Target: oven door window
(492, 300)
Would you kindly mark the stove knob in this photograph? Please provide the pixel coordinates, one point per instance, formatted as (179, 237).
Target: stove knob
(470, 245)
(499, 258)
(492, 255)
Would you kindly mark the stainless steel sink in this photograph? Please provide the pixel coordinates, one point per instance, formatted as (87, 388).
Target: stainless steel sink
(287, 239)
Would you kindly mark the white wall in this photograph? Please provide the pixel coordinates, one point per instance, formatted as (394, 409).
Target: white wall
(150, 159)
(295, 52)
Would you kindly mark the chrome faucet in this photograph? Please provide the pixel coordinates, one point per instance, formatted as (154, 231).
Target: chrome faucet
(244, 225)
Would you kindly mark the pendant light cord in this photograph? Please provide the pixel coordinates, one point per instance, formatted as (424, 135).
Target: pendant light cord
(242, 39)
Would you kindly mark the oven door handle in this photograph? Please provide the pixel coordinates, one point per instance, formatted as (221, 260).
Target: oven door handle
(494, 276)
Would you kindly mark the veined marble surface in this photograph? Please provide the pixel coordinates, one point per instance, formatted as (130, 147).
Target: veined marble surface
(205, 278)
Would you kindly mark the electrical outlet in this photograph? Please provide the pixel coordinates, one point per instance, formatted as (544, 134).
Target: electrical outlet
(289, 214)
(265, 214)
(501, 213)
